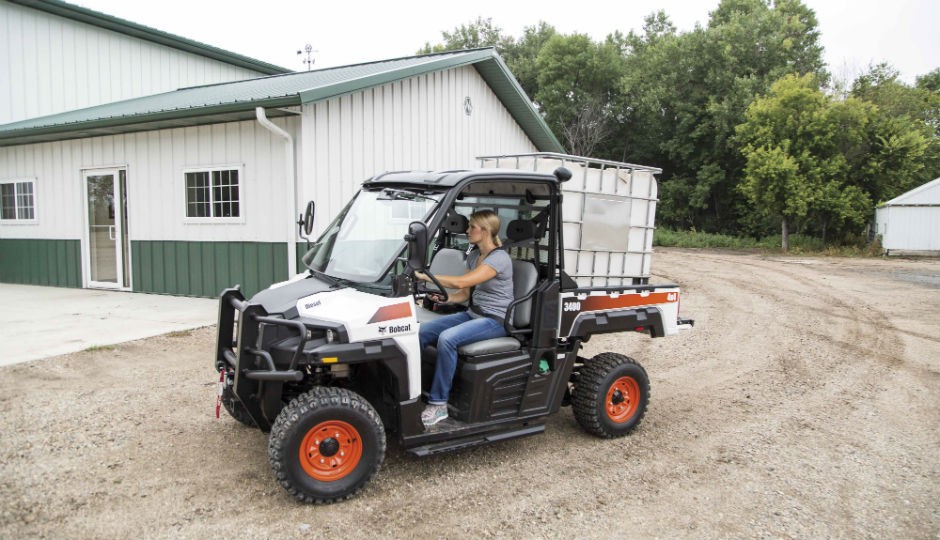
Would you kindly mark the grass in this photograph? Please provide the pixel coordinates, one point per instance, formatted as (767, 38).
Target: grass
(799, 244)
(97, 348)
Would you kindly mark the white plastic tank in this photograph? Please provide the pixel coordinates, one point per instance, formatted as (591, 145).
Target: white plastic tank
(609, 213)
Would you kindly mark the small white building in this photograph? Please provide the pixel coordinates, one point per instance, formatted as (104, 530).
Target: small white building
(910, 223)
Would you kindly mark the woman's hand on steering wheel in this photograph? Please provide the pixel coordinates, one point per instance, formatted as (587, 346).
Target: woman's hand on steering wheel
(421, 278)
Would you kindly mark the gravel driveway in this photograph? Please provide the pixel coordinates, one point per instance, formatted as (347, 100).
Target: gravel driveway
(804, 404)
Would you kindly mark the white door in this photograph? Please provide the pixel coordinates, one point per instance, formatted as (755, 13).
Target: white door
(106, 245)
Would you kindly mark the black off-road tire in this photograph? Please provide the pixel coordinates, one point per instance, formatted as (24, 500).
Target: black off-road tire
(235, 408)
(611, 395)
(344, 442)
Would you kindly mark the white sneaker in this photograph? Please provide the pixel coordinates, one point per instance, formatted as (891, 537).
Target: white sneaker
(433, 414)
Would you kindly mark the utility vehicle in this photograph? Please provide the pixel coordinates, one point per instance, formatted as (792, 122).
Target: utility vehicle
(329, 362)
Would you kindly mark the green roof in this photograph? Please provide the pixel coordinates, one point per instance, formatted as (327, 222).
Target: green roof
(101, 20)
(232, 101)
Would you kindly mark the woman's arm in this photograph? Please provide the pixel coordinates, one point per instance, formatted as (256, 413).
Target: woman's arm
(456, 297)
(481, 273)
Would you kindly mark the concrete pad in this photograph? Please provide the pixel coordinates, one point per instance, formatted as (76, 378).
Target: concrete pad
(38, 322)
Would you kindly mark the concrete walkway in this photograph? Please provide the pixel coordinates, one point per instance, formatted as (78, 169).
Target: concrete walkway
(38, 322)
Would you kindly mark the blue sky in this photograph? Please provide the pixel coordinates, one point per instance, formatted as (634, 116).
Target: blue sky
(855, 33)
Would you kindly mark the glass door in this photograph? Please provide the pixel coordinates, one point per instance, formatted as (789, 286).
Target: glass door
(107, 245)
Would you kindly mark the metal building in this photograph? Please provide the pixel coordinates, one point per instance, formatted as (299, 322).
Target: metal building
(910, 223)
(64, 57)
(190, 191)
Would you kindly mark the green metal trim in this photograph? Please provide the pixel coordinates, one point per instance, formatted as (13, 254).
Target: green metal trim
(217, 114)
(187, 107)
(206, 268)
(497, 75)
(37, 261)
(372, 81)
(108, 22)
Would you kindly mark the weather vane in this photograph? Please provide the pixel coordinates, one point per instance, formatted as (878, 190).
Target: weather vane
(310, 60)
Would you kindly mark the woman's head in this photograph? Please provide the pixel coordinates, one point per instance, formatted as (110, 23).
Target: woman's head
(488, 223)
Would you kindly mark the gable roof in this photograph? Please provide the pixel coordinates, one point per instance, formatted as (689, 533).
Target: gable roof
(925, 195)
(101, 20)
(233, 101)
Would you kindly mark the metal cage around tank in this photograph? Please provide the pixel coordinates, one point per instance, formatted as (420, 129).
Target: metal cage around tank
(609, 214)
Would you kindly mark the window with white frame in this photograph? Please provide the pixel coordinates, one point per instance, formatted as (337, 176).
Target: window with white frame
(213, 193)
(17, 200)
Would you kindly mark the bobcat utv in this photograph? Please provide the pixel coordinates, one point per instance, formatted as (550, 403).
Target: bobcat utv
(329, 362)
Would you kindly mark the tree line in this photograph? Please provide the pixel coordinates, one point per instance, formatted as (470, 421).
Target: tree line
(753, 133)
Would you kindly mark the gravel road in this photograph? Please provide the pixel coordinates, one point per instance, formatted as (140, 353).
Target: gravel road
(804, 404)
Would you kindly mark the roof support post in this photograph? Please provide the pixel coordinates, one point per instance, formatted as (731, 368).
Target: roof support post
(291, 185)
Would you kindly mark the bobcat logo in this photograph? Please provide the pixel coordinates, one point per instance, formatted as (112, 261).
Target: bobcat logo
(394, 329)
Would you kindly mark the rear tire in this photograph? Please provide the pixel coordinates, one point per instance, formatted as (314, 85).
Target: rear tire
(326, 445)
(611, 396)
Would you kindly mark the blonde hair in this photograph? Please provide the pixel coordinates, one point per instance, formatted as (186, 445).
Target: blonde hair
(488, 221)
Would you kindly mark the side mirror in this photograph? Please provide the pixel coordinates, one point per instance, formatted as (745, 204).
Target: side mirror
(306, 220)
(417, 239)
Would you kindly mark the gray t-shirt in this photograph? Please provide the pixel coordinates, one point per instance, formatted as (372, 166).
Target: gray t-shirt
(494, 295)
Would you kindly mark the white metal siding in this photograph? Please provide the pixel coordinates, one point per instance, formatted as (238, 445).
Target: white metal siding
(417, 123)
(155, 162)
(909, 228)
(50, 64)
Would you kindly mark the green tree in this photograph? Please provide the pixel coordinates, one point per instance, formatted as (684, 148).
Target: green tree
(684, 94)
(575, 81)
(819, 163)
(522, 56)
(882, 86)
(799, 146)
(480, 33)
(775, 131)
(904, 140)
(929, 81)
(774, 184)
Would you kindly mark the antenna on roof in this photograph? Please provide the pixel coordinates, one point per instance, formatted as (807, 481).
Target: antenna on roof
(310, 60)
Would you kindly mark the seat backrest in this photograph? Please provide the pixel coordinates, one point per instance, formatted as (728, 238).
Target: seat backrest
(449, 262)
(519, 233)
(524, 279)
(455, 223)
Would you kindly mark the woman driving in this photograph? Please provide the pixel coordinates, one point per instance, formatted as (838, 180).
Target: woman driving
(489, 272)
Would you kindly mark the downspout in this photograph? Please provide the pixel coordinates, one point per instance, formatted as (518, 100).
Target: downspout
(291, 189)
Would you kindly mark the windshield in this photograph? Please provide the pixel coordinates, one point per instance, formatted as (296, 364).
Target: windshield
(368, 234)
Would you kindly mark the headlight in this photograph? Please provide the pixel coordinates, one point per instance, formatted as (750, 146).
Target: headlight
(330, 336)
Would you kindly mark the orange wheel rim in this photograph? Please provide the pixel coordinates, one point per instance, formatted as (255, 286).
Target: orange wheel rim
(330, 450)
(623, 399)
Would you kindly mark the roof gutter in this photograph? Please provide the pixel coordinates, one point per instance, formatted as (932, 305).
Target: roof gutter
(291, 185)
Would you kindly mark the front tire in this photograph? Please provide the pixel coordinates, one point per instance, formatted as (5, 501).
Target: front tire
(326, 445)
(611, 396)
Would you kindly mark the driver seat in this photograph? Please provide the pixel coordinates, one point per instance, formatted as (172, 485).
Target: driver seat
(524, 279)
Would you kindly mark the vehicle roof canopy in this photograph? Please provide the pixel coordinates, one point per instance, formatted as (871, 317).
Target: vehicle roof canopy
(485, 181)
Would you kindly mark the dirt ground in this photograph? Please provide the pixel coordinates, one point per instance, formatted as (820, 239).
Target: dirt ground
(804, 404)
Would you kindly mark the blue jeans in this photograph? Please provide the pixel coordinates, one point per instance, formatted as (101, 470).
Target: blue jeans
(449, 333)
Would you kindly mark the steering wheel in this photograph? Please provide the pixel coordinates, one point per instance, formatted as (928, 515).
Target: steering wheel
(422, 287)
